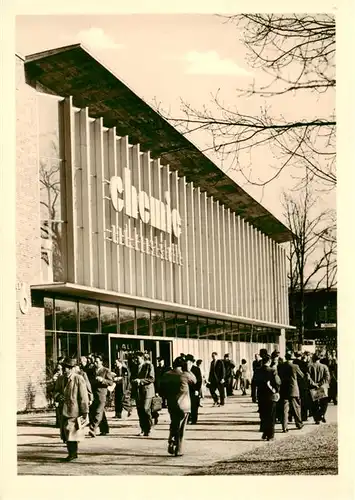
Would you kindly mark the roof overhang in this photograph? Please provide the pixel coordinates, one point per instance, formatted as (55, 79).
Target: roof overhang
(74, 71)
(85, 292)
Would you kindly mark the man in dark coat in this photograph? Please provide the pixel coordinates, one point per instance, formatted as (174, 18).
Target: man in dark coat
(143, 387)
(159, 372)
(216, 379)
(175, 386)
(289, 391)
(194, 389)
(229, 366)
(268, 383)
(302, 361)
(101, 379)
(319, 378)
(256, 365)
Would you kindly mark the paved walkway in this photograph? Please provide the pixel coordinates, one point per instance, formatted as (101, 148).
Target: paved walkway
(221, 433)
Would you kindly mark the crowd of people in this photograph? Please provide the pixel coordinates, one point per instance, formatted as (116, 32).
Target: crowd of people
(283, 389)
(297, 387)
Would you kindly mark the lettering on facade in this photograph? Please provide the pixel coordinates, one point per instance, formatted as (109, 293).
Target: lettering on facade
(154, 247)
(150, 210)
(157, 213)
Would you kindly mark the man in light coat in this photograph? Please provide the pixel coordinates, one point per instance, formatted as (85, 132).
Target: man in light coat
(319, 378)
(175, 386)
(72, 392)
(143, 391)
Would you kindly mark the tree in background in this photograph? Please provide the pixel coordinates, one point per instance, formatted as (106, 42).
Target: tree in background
(296, 53)
(312, 251)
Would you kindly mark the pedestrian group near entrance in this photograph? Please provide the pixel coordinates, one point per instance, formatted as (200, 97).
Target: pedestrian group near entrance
(297, 387)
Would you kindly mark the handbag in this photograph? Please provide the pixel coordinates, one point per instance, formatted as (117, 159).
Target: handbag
(318, 393)
(157, 404)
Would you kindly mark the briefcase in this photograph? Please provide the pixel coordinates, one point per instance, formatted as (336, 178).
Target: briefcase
(157, 404)
(319, 393)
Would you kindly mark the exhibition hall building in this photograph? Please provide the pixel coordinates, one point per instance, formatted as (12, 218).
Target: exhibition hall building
(128, 237)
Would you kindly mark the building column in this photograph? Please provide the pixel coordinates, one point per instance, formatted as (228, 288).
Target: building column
(282, 342)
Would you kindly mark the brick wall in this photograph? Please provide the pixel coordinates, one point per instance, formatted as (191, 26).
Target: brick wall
(29, 325)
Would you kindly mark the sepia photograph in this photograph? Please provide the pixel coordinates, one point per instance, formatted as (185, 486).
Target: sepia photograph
(176, 245)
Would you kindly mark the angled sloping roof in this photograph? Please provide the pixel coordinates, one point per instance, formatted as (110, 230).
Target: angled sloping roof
(73, 71)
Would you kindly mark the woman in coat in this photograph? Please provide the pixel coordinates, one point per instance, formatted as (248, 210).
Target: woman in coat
(71, 391)
(268, 384)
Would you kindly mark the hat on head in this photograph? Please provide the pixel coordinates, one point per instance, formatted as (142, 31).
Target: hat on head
(275, 353)
(70, 362)
(189, 357)
(298, 354)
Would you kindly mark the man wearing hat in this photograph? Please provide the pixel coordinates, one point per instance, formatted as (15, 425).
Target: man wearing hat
(194, 389)
(143, 389)
(101, 379)
(175, 385)
(289, 391)
(72, 392)
(216, 379)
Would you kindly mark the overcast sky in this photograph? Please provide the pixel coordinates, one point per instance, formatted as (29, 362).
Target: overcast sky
(166, 58)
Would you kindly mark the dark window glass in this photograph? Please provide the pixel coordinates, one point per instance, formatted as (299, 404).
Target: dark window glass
(66, 315)
(50, 355)
(219, 330)
(228, 330)
(193, 327)
(48, 313)
(170, 326)
(127, 320)
(89, 317)
(203, 328)
(84, 344)
(181, 325)
(211, 329)
(235, 332)
(143, 321)
(62, 345)
(73, 351)
(99, 345)
(108, 318)
(157, 319)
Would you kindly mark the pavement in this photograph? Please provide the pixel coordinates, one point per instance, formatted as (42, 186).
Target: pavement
(220, 434)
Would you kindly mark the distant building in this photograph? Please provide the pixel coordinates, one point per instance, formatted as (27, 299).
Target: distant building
(320, 316)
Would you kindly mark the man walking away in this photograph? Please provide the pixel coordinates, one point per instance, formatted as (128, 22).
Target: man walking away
(268, 383)
(289, 391)
(71, 391)
(175, 386)
(194, 389)
(319, 378)
(229, 367)
(243, 369)
(101, 379)
(143, 386)
(216, 379)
